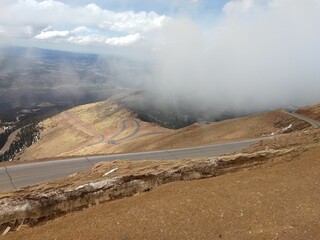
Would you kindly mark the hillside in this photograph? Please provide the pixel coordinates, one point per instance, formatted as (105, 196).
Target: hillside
(265, 124)
(258, 194)
(107, 127)
(312, 112)
(86, 129)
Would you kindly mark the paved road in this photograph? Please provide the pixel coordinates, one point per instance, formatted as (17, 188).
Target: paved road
(92, 131)
(17, 176)
(136, 129)
(304, 118)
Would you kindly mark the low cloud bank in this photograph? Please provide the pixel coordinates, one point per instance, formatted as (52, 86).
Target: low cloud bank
(258, 55)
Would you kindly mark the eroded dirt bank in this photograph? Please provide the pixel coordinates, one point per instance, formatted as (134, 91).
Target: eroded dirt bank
(110, 181)
(115, 180)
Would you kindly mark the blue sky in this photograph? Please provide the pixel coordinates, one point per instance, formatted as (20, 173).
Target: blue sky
(168, 7)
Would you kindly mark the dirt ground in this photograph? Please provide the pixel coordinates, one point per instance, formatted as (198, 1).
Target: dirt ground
(311, 112)
(275, 200)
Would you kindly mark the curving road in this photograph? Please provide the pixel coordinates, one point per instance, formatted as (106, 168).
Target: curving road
(313, 122)
(102, 139)
(16, 176)
(136, 129)
(92, 131)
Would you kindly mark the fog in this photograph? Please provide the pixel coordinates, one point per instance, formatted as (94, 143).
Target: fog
(255, 57)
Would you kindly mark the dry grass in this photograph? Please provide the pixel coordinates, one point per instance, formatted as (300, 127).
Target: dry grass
(101, 116)
(64, 136)
(198, 135)
(57, 138)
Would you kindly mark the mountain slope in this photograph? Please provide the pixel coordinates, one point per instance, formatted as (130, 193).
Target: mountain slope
(265, 124)
(106, 127)
(312, 112)
(86, 129)
(277, 197)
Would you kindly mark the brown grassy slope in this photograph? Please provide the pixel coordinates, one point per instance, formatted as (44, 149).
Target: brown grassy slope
(101, 116)
(276, 200)
(57, 137)
(61, 134)
(233, 129)
(64, 136)
(311, 111)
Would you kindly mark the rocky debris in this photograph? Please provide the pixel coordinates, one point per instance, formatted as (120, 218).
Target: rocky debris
(34, 207)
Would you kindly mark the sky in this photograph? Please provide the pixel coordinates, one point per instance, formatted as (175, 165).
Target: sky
(237, 55)
(92, 25)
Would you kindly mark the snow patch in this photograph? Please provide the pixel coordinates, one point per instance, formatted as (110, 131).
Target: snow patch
(111, 171)
(97, 185)
(287, 128)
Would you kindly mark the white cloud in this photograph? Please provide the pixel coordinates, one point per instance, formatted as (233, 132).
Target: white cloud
(51, 12)
(87, 40)
(133, 22)
(88, 24)
(238, 6)
(262, 56)
(124, 41)
(52, 35)
(80, 29)
(95, 39)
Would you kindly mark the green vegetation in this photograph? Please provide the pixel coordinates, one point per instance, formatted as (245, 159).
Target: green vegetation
(4, 136)
(26, 137)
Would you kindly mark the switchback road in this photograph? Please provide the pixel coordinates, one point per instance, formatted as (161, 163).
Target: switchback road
(136, 129)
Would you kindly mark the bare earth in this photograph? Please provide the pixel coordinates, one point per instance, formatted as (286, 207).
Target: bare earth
(275, 199)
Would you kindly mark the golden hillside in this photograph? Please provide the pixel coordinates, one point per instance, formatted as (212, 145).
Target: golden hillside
(265, 124)
(86, 129)
(106, 127)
